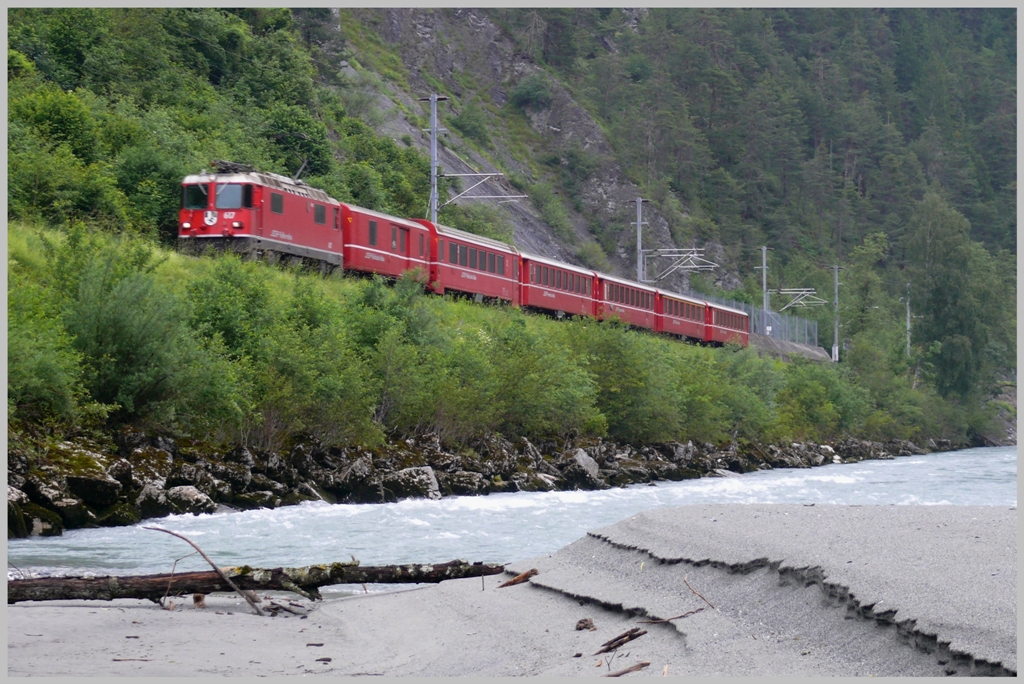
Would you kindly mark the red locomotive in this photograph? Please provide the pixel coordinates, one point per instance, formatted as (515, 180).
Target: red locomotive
(250, 211)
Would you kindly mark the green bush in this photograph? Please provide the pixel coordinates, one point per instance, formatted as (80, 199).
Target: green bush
(532, 92)
(472, 124)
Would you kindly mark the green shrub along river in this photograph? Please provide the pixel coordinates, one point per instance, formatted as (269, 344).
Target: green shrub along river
(107, 331)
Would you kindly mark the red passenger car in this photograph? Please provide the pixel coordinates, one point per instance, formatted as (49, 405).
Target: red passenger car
(559, 288)
(249, 210)
(473, 264)
(390, 246)
(681, 315)
(725, 324)
(631, 302)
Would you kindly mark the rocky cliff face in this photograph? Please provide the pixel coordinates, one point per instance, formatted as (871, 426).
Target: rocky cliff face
(464, 50)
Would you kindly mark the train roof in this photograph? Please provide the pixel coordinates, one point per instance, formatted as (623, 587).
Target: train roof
(625, 281)
(272, 180)
(384, 217)
(675, 295)
(722, 307)
(557, 264)
(472, 237)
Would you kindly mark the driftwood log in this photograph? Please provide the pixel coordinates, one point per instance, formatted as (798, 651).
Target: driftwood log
(304, 580)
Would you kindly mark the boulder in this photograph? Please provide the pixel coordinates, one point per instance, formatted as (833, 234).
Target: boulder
(41, 522)
(188, 499)
(258, 499)
(16, 526)
(236, 475)
(121, 470)
(358, 482)
(241, 456)
(188, 474)
(301, 460)
(417, 482)
(260, 482)
(152, 502)
(119, 515)
(99, 490)
(580, 471)
(73, 513)
(150, 464)
(462, 483)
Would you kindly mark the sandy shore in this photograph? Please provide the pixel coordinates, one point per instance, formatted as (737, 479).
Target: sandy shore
(795, 590)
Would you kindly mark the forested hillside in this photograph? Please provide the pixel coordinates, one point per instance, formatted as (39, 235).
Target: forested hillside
(883, 141)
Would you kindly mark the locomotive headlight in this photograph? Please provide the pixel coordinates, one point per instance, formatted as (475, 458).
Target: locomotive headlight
(236, 224)
(186, 224)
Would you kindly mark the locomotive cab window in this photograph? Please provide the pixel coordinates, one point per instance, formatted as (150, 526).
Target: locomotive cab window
(195, 197)
(320, 213)
(233, 196)
(277, 203)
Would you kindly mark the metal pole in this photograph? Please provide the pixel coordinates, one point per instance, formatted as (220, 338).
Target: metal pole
(639, 230)
(908, 319)
(433, 157)
(764, 290)
(835, 309)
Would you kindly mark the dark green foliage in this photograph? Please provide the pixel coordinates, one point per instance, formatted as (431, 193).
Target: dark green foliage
(532, 92)
(129, 334)
(471, 123)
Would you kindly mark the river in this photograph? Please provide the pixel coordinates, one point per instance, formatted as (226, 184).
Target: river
(499, 527)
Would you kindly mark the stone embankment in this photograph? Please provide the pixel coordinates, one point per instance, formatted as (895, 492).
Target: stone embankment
(84, 484)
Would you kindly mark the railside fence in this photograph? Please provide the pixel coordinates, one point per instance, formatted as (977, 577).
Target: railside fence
(772, 323)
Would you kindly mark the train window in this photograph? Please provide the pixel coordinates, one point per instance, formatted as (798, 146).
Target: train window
(558, 280)
(472, 258)
(195, 197)
(440, 250)
(337, 224)
(501, 266)
(402, 235)
(247, 196)
(277, 203)
(490, 263)
(394, 238)
(632, 297)
(453, 253)
(421, 244)
(544, 275)
(320, 213)
(462, 255)
(229, 196)
(482, 264)
(373, 233)
(586, 287)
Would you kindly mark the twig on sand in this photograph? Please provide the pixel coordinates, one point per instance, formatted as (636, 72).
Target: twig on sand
(623, 638)
(519, 579)
(677, 617)
(227, 580)
(698, 594)
(631, 668)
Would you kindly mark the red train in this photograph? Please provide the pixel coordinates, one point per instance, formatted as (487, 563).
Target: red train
(247, 210)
